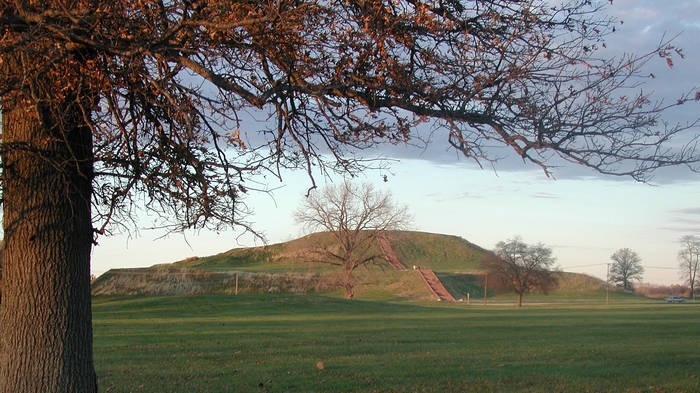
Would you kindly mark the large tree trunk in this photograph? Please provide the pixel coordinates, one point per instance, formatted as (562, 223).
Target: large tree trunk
(45, 321)
(520, 300)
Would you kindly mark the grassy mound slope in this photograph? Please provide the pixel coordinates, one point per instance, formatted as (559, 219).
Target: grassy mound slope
(184, 281)
(287, 268)
(441, 253)
(372, 283)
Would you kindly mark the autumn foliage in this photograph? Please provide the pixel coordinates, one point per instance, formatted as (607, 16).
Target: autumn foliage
(661, 291)
(169, 88)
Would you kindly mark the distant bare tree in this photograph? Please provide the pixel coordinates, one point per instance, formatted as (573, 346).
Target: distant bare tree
(626, 267)
(354, 216)
(689, 261)
(523, 268)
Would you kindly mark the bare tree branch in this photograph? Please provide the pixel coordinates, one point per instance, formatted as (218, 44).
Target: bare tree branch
(353, 216)
(521, 267)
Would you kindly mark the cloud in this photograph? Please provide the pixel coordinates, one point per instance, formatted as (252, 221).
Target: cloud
(468, 195)
(686, 218)
(646, 23)
(544, 195)
(684, 230)
(439, 197)
(687, 221)
(687, 210)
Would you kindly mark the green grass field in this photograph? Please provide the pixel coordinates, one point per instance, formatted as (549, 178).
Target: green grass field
(272, 343)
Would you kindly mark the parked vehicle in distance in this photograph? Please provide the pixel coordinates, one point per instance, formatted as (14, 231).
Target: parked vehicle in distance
(675, 299)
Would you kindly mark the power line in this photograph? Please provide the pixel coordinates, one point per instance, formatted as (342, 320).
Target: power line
(603, 264)
(575, 267)
(660, 267)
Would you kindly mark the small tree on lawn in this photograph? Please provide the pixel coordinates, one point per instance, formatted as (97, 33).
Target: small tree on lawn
(626, 267)
(522, 268)
(354, 216)
(689, 261)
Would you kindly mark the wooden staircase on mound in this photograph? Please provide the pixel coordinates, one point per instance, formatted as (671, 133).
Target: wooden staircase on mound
(389, 253)
(435, 286)
(429, 277)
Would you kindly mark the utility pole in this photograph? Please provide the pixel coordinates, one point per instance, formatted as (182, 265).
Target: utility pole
(607, 285)
(486, 287)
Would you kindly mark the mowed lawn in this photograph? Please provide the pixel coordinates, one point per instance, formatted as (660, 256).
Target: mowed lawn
(281, 343)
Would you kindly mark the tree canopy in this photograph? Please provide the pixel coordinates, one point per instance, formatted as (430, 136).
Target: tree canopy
(168, 89)
(523, 268)
(626, 267)
(689, 261)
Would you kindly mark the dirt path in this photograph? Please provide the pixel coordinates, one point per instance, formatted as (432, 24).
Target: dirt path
(389, 253)
(436, 287)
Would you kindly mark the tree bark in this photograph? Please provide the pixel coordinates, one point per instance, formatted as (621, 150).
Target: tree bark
(347, 284)
(520, 300)
(693, 273)
(45, 320)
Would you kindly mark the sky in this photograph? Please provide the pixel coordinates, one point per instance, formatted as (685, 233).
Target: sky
(584, 217)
